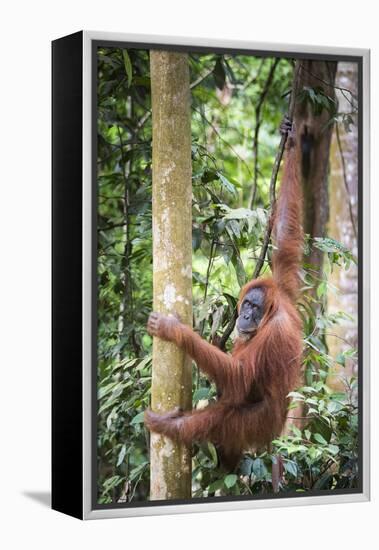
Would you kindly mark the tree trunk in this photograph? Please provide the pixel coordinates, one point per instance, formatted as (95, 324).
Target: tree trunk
(314, 137)
(343, 225)
(172, 261)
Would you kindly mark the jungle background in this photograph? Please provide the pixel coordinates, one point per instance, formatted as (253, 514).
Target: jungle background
(238, 102)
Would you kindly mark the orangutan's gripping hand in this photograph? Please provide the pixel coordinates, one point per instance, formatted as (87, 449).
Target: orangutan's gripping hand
(162, 326)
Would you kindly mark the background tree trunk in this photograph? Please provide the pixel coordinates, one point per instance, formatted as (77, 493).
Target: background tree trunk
(314, 140)
(172, 259)
(314, 137)
(343, 195)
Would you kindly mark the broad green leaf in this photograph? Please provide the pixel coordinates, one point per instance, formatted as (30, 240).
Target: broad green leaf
(246, 466)
(138, 419)
(230, 480)
(296, 395)
(320, 439)
(226, 183)
(334, 449)
(290, 467)
(259, 468)
(143, 363)
(239, 268)
(321, 289)
(137, 471)
(239, 214)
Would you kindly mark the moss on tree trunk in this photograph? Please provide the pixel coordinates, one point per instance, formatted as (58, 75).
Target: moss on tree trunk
(172, 261)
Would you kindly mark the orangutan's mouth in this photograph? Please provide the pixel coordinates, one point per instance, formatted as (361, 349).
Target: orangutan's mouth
(247, 334)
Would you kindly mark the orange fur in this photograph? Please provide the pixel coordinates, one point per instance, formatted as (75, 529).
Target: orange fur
(255, 379)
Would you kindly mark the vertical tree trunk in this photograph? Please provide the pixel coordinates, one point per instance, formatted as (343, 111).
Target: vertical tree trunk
(343, 224)
(172, 259)
(315, 136)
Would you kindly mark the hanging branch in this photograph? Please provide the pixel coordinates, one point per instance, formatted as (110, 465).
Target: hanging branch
(209, 269)
(258, 122)
(266, 239)
(201, 78)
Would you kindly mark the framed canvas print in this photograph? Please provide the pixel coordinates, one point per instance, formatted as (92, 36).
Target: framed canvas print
(210, 275)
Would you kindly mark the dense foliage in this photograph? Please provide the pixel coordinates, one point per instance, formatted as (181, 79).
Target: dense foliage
(237, 106)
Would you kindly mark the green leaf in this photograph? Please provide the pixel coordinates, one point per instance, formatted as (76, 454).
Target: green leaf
(334, 449)
(103, 391)
(340, 359)
(216, 320)
(239, 268)
(226, 183)
(239, 214)
(334, 407)
(138, 419)
(296, 395)
(143, 363)
(112, 482)
(296, 449)
(312, 94)
(121, 455)
(201, 393)
(128, 66)
(246, 466)
(259, 468)
(137, 471)
(320, 427)
(215, 486)
(234, 226)
(230, 480)
(321, 289)
(320, 439)
(323, 481)
(213, 453)
(209, 175)
(296, 432)
(196, 238)
(291, 468)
